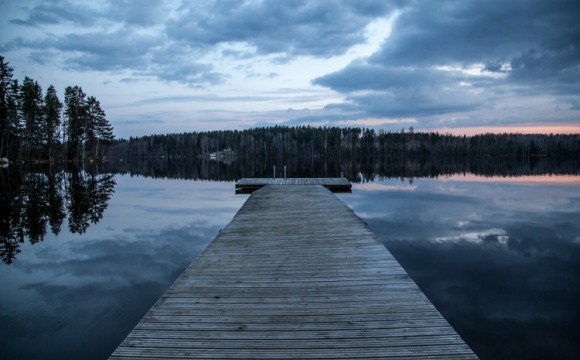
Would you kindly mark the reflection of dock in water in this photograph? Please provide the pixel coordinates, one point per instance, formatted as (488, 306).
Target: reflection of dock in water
(296, 274)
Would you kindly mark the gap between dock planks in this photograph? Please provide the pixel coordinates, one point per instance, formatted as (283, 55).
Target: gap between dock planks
(296, 274)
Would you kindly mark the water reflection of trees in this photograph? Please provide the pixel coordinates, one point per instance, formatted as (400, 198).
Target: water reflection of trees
(356, 169)
(36, 200)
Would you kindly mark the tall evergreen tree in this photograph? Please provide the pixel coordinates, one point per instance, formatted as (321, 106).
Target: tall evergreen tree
(52, 118)
(5, 84)
(31, 108)
(75, 116)
(14, 124)
(99, 128)
(103, 130)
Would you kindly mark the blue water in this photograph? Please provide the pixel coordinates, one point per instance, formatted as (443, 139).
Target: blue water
(499, 257)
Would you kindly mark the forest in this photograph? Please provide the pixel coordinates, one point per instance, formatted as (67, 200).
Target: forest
(280, 142)
(37, 127)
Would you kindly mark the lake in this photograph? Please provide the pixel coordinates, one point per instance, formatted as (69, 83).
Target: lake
(498, 256)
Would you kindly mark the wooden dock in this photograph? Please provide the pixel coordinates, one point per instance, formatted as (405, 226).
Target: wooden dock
(296, 274)
(249, 185)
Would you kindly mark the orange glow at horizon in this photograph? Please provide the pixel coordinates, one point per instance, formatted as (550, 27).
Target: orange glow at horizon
(552, 179)
(521, 129)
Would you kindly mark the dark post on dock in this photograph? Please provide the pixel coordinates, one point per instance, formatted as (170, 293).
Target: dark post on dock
(296, 274)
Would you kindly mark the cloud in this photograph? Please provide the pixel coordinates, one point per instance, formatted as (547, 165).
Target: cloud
(291, 28)
(146, 55)
(440, 64)
(524, 253)
(378, 90)
(450, 57)
(143, 13)
(320, 119)
(204, 98)
(58, 12)
(459, 32)
(137, 13)
(128, 276)
(139, 121)
(414, 102)
(96, 50)
(555, 71)
(193, 74)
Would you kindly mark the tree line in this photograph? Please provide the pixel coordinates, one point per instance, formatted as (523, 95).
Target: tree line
(354, 170)
(280, 142)
(36, 126)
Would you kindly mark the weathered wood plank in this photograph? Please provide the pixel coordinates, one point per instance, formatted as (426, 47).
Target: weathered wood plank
(295, 275)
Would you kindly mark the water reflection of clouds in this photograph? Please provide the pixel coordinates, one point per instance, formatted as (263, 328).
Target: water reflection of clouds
(182, 200)
(497, 236)
(520, 180)
(499, 260)
(101, 282)
(106, 279)
(423, 210)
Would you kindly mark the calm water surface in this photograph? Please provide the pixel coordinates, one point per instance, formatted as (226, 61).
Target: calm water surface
(77, 296)
(499, 257)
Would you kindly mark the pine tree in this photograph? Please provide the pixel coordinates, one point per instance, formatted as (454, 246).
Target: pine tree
(14, 125)
(5, 84)
(99, 130)
(75, 116)
(31, 107)
(52, 118)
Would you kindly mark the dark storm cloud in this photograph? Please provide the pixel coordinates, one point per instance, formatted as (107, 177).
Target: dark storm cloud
(415, 73)
(297, 27)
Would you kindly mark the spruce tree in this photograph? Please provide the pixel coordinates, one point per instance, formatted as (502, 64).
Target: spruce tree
(99, 129)
(5, 84)
(75, 116)
(31, 107)
(52, 118)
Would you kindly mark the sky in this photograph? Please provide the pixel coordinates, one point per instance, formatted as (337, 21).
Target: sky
(453, 66)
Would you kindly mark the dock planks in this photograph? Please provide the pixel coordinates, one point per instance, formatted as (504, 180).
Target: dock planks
(249, 185)
(296, 274)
